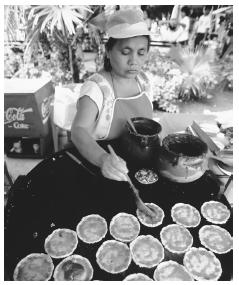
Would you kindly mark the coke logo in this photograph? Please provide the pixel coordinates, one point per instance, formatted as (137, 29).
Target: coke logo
(13, 114)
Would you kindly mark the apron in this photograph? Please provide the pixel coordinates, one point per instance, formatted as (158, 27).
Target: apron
(115, 111)
(137, 106)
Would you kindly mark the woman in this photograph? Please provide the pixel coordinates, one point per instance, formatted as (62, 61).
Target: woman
(119, 91)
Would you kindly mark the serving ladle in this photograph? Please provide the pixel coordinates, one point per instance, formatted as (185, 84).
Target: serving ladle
(132, 125)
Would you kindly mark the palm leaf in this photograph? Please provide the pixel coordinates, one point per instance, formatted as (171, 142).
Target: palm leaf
(64, 18)
(196, 65)
(54, 22)
(48, 19)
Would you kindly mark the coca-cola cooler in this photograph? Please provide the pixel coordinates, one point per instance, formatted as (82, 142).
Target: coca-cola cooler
(27, 124)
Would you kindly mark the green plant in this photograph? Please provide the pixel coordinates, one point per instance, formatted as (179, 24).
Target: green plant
(198, 68)
(165, 78)
(14, 20)
(183, 75)
(51, 33)
(225, 77)
(62, 24)
(12, 62)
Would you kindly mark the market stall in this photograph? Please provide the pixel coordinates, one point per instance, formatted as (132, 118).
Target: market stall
(59, 192)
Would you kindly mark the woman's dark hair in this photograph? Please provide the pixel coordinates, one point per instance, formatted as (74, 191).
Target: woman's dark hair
(186, 10)
(109, 45)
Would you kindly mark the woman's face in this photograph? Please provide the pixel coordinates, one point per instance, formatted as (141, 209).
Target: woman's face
(128, 56)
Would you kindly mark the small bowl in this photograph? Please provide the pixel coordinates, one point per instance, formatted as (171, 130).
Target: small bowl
(183, 158)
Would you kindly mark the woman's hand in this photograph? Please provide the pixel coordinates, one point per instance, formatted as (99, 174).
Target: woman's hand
(113, 167)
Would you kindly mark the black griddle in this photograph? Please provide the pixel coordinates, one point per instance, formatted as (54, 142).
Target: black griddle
(58, 192)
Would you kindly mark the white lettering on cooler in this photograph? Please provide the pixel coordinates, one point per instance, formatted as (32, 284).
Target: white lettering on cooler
(18, 125)
(15, 115)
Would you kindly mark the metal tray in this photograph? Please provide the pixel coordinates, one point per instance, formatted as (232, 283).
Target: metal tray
(59, 192)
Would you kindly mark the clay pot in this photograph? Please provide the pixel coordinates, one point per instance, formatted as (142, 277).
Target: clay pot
(183, 158)
(141, 148)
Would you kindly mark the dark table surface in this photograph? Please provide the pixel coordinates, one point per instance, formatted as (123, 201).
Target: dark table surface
(59, 192)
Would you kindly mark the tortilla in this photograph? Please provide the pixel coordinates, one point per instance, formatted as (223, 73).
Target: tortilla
(34, 267)
(113, 256)
(124, 227)
(202, 264)
(176, 238)
(137, 277)
(185, 215)
(61, 243)
(147, 251)
(150, 221)
(146, 176)
(73, 268)
(216, 239)
(215, 212)
(171, 271)
(92, 228)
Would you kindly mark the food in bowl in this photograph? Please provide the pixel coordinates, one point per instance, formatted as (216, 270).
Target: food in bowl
(151, 221)
(183, 158)
(113, 256)
(34, 267)
(147, 251)
(124, 227)
(215, 212)
(171, 271)
(202, 264)
(185, 215)
(73, 268)
(61, 243)
(92, 228)
(137, 277)
(216, 239)
(146, 176)
(176, 238)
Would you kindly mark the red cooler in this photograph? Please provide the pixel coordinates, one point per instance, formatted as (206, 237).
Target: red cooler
(27, 126)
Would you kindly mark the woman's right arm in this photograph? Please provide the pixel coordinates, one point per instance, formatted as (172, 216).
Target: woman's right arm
(82, 126)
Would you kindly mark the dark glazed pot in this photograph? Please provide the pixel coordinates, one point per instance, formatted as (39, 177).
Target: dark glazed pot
(141, 148)
(183, 158)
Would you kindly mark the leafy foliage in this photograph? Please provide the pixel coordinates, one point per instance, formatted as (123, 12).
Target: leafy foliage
(184, 75)
(225, 77)
(54, 32)
(38, 66)
(199, 69)
(64, 19)
(14, 18)
(165, 78)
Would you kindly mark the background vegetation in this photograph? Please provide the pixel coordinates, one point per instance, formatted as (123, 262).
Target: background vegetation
(51, 41)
